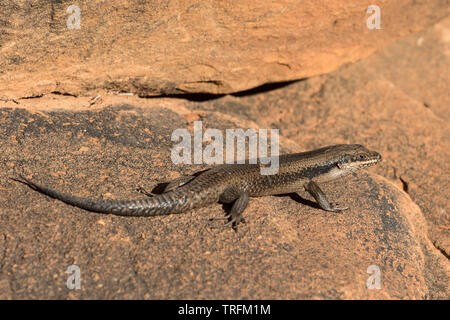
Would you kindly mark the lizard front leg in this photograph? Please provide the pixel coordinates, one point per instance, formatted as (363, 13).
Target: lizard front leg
(314, 189)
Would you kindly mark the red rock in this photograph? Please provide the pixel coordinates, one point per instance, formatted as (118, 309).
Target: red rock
(153, 48)
(395, 102)
(285, 250)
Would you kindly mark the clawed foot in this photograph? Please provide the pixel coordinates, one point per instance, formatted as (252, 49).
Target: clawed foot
(233, 221)
(143, 191)
(336, 208)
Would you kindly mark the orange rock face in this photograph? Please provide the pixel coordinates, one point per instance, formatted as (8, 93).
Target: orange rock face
(189, 46)
(69, 118)
(286, 249)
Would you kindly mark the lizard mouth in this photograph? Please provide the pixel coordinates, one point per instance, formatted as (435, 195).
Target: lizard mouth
(369, 160)
(361, 161)
(369, 163)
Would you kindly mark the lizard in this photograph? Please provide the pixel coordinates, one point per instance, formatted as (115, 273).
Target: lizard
(234, 184)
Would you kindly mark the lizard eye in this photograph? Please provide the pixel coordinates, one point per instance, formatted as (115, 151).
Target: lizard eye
(361, 156)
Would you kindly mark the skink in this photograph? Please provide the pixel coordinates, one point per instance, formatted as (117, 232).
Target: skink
(236, 183)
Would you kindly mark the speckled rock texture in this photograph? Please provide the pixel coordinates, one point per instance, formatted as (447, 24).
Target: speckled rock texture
(286, 249)
(160, 47)
(395, 102)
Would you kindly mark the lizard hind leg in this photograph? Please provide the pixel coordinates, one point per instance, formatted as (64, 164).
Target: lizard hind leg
(178, 182)
(145, 192)
(240, 199)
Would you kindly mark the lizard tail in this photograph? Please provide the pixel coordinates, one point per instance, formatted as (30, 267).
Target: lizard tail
(162, 204)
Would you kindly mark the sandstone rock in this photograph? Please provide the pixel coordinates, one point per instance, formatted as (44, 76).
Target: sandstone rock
(285, 250)
(395, 101)
(161, 47)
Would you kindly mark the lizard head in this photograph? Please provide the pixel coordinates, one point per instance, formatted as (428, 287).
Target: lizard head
(356, 156)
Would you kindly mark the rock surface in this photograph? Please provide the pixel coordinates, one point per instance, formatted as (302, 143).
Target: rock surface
(285, 250)
(190, 46)
(395, 102)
